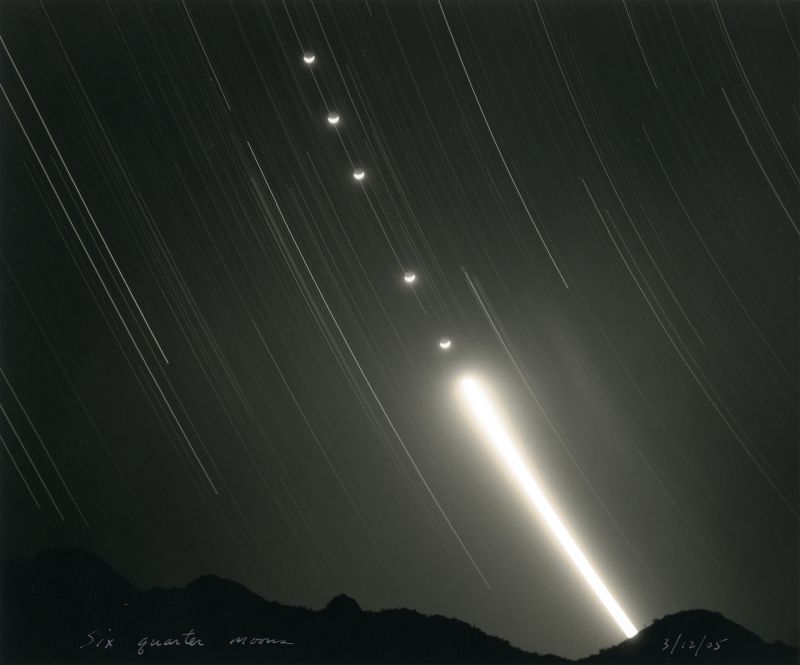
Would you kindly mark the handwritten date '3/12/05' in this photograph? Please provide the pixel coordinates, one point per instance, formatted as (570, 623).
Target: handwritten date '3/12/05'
(683, 644)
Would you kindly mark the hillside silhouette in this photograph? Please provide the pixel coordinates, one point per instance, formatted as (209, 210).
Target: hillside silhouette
(65, 606)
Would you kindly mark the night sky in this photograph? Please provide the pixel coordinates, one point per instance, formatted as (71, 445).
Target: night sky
(211, 362)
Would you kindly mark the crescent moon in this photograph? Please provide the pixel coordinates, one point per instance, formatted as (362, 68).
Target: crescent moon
(358, 174)
(409, 277)
(333, 118)
(444, 343)
(309, 57)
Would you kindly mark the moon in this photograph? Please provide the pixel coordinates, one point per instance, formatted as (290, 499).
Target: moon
(309, 57)
(409, 277)
(358, 174)
(333, 118)
(444, 343)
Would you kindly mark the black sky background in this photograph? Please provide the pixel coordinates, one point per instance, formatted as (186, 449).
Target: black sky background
(660, 166)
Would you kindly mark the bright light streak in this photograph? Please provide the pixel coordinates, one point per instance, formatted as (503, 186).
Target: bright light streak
(489, 420)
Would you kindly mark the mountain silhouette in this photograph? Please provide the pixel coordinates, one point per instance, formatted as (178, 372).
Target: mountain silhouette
(70, 606)
(695, 636)
(343, 605)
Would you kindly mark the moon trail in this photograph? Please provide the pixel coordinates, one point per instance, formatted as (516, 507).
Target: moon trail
(486, 417)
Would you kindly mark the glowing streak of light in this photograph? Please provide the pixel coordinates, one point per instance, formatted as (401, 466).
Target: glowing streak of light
(694, 368)
(500, 152)
(639, 43)
(80, 196)
(487, 417)
(383, 411)
(44, 447)
(760, 165)
(205, 53)
(19, 472)
(103, 284)
(32, 463)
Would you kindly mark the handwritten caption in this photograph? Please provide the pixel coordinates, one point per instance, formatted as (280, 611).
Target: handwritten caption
(685, 644)
(104, 639)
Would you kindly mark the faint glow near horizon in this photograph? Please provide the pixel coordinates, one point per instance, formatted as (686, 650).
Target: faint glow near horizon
(487, 418)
